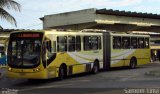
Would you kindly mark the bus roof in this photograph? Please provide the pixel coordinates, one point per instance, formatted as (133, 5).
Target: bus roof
(129, 35)
(82, 32)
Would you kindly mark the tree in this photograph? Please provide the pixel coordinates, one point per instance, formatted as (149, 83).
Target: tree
(10, 5)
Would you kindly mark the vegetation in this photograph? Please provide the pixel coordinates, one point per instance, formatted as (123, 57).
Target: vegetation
(8, 5)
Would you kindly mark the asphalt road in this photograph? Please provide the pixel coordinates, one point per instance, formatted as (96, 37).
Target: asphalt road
(117, 80)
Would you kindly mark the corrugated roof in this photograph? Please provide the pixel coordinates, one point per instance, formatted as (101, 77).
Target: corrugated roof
(127, 13)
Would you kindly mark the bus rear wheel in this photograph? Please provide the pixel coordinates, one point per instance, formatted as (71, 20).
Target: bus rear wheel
(133, 63)
(95, 68)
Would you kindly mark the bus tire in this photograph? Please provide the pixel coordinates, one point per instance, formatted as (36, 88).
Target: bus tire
(133, 63)
(62, 72)
(95, 68)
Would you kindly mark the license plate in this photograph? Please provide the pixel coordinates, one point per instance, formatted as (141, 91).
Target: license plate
(22, 74)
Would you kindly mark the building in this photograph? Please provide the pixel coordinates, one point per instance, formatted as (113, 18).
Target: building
(113, 20)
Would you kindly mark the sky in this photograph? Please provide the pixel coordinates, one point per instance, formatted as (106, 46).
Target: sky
(32, 10)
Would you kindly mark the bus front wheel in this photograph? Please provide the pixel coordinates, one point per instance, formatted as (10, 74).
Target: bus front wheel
(133, 63)
(62, 72)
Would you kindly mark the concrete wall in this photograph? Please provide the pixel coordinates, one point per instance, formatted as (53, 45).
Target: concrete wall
(77, 17)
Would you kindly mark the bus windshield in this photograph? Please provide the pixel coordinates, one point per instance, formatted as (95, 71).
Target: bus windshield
(24, 52)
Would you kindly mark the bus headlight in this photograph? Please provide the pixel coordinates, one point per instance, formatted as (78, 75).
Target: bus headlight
(9, 69)
(37, 69)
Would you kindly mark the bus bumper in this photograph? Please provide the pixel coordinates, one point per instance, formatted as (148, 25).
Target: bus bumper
(30, 75)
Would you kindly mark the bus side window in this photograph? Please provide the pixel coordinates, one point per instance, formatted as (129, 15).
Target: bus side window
(78, 43)
(48, 44)
(48, 55)
(99, 42)
(133, 42)
(94, 42)
(54, 46)
(126, 42)
(140, 42)
(146, 44)
(86, 42)
(61, 43)
(71, 43)
(117, 42)
(90, 43)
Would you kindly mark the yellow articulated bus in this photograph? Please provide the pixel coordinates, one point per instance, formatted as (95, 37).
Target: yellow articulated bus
(50, 54)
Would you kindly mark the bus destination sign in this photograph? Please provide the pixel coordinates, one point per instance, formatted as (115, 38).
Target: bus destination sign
(28, 35)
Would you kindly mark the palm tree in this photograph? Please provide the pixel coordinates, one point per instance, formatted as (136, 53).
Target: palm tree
(10, 5)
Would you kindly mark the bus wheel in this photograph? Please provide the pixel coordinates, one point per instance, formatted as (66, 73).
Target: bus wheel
(61, 72)
(133, 63)
(95, 68)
